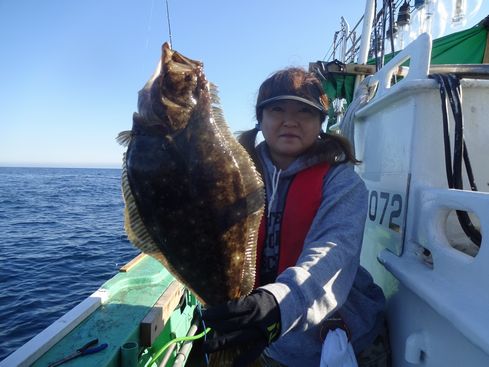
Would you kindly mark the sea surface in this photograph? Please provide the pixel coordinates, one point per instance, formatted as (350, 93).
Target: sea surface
(61, 238)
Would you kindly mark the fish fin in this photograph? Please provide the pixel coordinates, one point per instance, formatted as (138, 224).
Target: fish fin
(251, 177)
(253, 190)
(134, 226)
(217, 112)
(124, 138)
(214, 91)
(250, 253)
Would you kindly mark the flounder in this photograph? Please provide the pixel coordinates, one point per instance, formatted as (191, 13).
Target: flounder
(193, 198)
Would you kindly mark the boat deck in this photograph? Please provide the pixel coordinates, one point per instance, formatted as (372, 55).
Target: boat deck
(131, 296)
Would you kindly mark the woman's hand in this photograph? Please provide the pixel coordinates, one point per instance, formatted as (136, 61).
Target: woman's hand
(252, 320)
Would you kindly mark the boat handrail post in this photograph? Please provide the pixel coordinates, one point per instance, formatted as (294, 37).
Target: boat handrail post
(419, 54)
(345, 29)
(368, 19)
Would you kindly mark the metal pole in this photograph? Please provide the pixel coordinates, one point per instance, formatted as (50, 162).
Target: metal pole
(345, 29)
(368, 19)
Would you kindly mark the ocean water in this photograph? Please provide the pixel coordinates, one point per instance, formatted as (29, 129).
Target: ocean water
(61, 237)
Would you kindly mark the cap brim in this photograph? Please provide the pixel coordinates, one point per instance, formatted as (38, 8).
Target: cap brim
(294, 98)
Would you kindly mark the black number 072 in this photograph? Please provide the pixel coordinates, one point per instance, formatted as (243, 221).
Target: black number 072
(381, 203)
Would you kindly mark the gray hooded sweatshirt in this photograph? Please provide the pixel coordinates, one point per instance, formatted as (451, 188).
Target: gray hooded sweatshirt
(327, 276)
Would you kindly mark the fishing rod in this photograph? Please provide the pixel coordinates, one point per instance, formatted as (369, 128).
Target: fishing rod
(169, 24)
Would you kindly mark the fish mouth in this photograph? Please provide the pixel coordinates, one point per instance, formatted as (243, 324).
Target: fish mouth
(175, 62)
(181, 82)
(170, 96)
(179, 74)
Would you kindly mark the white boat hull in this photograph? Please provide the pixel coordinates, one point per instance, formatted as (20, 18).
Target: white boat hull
(436, 284)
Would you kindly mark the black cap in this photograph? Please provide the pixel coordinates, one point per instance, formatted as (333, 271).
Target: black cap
(316, 105)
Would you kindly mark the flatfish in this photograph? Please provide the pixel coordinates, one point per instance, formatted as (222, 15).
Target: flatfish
(193, 198)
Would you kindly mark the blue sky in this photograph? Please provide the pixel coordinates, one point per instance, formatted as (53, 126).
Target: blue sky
(70, 70)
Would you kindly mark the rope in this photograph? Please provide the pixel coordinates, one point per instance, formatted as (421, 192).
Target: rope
(450, 89)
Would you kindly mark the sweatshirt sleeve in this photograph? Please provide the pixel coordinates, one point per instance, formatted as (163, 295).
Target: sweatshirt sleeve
(321, 280)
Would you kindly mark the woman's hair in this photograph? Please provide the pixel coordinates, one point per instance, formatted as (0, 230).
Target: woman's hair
(292, 81)
(298, 82)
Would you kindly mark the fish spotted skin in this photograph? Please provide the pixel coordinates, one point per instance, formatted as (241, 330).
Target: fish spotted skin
(193, 197)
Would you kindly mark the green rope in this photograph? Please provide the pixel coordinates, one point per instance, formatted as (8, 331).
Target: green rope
(176, 340)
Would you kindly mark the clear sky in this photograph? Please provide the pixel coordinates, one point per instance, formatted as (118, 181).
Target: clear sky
(70, 70)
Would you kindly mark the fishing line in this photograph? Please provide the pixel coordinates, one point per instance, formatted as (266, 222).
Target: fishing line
(331, 48)
(142, 65)
(148, 31)
(199, 310)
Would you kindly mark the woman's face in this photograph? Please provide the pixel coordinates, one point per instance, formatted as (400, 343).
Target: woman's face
(289, 128)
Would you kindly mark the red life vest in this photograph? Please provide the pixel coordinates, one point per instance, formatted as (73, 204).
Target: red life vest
(301, 205)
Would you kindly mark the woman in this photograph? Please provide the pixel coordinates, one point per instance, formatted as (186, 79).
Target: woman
(308, 273)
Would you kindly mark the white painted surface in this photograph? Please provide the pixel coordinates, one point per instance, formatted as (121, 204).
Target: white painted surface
(438, 306)
(42, 342)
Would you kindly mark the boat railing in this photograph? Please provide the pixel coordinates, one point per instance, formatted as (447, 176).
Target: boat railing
(454, 284)
(418, 53)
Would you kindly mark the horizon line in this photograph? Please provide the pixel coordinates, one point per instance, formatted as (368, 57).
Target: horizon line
(61, 165)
